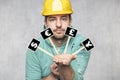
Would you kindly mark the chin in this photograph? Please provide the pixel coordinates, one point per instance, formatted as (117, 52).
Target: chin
(59, 37)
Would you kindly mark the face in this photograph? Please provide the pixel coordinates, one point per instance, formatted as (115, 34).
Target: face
(58, 24)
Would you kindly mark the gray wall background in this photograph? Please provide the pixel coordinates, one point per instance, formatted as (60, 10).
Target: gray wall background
(20, 21)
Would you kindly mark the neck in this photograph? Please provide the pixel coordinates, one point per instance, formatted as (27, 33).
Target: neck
(59, 42)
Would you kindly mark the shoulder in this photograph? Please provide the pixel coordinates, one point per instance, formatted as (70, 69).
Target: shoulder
(40, 39)
(43, 42)
(78, 39)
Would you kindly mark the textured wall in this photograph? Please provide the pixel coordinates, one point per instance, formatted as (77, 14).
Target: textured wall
(20, 21)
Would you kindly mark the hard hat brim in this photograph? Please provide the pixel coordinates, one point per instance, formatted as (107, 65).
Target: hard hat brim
(56, 13)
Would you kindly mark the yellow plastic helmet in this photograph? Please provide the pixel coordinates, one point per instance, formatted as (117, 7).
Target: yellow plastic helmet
(52, 7)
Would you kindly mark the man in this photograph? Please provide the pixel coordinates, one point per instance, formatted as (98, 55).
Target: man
(63, 66)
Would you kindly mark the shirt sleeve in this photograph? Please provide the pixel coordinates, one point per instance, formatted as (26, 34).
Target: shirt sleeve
(33, 71)
(82, 62)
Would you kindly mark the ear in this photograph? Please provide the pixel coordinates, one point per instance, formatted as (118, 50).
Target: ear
(45, 23)
(70, 21)
(44, 27)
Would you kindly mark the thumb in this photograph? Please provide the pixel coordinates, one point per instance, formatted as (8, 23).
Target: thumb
(74, 57)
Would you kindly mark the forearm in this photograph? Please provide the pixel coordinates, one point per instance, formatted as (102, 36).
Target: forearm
(66, 72)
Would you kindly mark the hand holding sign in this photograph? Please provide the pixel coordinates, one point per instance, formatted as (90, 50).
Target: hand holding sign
(71, 32)
(35, 44)
(87, 44)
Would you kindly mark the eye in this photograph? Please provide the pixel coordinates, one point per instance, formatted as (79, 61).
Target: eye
(51, 19)
(64, 18)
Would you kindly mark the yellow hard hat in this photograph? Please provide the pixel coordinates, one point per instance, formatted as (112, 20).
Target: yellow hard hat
(52, 7)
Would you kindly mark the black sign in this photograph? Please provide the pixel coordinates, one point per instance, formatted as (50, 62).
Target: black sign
(47, 33)
(71, 32)
(34, 44)
(87, 44)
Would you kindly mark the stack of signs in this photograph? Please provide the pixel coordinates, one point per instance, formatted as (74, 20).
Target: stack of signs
(87, 44)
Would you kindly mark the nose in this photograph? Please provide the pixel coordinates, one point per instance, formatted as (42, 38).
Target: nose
(58, 23)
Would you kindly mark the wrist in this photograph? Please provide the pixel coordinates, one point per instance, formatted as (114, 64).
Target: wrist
(56, 77)
(50, 77)
(66, 72)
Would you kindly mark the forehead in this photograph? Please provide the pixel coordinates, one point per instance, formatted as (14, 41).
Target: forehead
(60, 15)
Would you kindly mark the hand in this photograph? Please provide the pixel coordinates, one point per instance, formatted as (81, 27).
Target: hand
(54, 75)
(64, 59)
(54, 70)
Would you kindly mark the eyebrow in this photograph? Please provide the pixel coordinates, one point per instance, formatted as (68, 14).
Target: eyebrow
(51, 17)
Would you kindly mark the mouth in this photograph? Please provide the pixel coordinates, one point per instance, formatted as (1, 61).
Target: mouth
(59, 31)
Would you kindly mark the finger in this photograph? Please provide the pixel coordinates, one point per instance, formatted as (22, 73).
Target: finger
(74, 57)
(53, 66)
(65, 62)
(55, 59)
